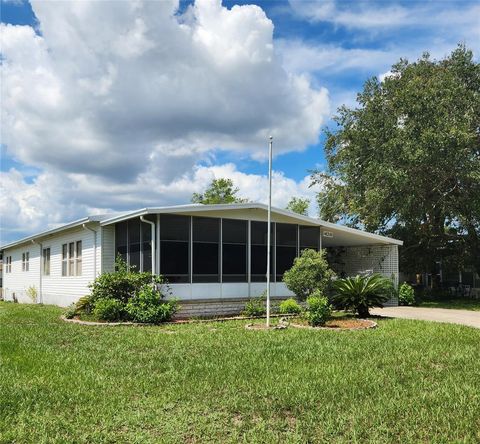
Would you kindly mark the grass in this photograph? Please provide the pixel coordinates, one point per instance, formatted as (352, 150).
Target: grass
(455, 303)
(407, 381)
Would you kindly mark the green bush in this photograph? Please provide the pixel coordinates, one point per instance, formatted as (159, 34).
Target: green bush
(255, 306)
(290, 306)
(84, 305)
(318, 309)
(309, 272)
(70, 311)
(360, 293)
(121, 284)
(109, 310)
(148, 306)
(406, 294)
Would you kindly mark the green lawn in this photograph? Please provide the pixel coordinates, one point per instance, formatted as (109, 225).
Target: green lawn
(406, 381)
(456, 303)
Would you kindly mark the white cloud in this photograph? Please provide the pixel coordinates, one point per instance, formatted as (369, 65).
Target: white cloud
(371, 15)
(105, 90)
(52, 199)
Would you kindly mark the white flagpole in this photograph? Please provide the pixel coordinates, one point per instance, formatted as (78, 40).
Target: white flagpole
(268, 225)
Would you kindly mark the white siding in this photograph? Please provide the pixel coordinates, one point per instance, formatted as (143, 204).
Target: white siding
(108, 248)
(56, 289)
(16, 283)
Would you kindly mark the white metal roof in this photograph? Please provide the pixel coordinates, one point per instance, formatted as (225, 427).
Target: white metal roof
(346, 232)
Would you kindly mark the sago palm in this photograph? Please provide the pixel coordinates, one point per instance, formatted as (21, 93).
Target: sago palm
(359, 293)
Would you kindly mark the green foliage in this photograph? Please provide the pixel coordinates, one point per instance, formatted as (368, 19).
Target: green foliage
(290, 306)
(318, 309)
(255, 306)
(406, 294)
(360, 293)
(220, 191)
(109, 310)
(147, 306)
(84, 305)
(121, 284)
(70, 311)
(406, 161)
(299, 205)
(309, 272)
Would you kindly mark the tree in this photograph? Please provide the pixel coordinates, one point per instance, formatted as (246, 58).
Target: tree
(220, 191)
(298, 205)
(406, 161)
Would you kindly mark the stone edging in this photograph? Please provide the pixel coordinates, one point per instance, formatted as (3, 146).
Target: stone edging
(179, 321)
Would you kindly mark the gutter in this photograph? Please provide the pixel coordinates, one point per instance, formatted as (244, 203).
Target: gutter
(40, 257)
(84, 226)
(153, 241)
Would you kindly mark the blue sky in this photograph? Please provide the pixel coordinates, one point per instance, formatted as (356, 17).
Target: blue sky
(323, 52)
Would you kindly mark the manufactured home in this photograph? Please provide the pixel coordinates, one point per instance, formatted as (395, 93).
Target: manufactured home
(213, 256)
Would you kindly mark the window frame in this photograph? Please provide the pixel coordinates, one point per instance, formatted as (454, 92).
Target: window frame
(26, 261)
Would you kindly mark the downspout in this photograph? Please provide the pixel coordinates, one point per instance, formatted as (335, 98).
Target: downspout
(41, 271)
(84, 226)
(152, 224)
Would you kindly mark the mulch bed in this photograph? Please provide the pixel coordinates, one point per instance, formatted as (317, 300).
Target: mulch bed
(338, 324)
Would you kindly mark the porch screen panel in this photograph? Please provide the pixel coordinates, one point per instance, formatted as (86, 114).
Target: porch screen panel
(134, 244)
(258, 260)
(174, 248)
(286, 244)
(206, 248)
(234, 250)
(309, 238)
(121, 240)
(146, 247)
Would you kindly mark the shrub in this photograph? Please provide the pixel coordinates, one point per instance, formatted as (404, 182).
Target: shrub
(147, 306)
(121, 284)
(360, 293)
(309, 272)
(109, 309)
(32, 293)
(84, 305)
(70, 311)
(318, 309)
(406, 294)
(255, 306)
(290, 306)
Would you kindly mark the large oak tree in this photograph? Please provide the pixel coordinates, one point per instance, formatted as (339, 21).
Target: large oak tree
(406, 161)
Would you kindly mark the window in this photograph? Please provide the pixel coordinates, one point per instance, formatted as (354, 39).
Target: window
(26, 261)
(286, 248)
(71, 259)
(206, 238)
(78, 259)
(46, 261)
(309, 238)
(8, 264)
(64, 259)
(258, 260)
(174, 248)
(234, 250)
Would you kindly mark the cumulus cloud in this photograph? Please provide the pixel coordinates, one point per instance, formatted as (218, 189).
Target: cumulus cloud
(118, 107)
(105, 90)
(51, 199)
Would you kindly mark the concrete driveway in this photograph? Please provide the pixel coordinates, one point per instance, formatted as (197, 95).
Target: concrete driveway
(464, 317)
